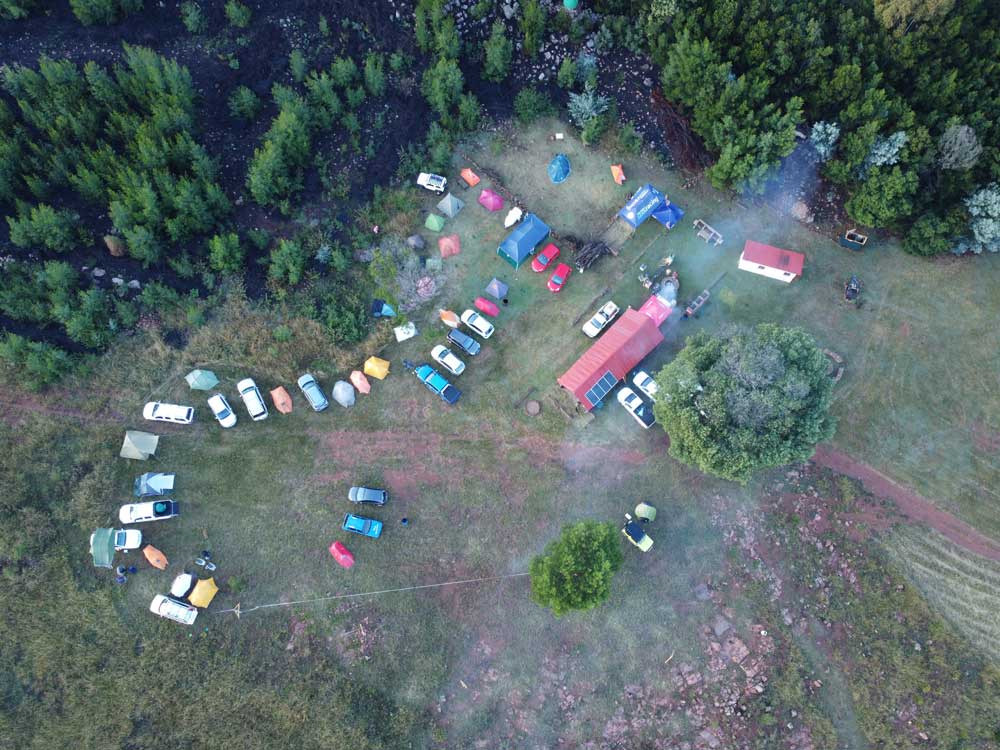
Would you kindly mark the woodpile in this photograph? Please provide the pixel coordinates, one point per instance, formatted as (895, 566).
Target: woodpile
(590, 253)
(685, 147)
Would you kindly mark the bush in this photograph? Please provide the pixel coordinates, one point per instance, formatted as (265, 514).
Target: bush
(43, 226)
(238, 14)
(481, 9)
(298, 65)
(288, 262)
(587, 106)
(324, 104)
(470, 112)
(530, 105)
(343, 71)
(629, 139)
(375, 74)
(193, 17)
(355, 97)
(499, 50)
(276, 170)
(225, 253)
(244, 103)
(576, 570)
(532, 26)
(42, 364)
(13, 10)
(442, 86)
(90, 12)
(566, 77)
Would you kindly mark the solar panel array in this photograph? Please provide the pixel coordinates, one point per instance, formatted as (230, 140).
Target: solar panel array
(600, 389)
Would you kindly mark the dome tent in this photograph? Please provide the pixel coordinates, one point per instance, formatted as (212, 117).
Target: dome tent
(343, 393)
(559, 168)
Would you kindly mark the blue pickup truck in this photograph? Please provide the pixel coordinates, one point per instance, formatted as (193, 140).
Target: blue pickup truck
(437, 383)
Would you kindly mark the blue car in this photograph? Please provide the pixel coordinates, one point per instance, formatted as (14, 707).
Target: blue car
(360, 525)
(464, 342)
(437, 383)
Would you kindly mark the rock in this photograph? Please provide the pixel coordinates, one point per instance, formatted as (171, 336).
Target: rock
(98, 273)
(134, 284)
(416, 241)
(720, 626)
(508, 11)
(239, 201)
(801, 212)
(647, 82)
(117, 280)
(701, 593)
(541, 76)
(115, 245)
(736, 650)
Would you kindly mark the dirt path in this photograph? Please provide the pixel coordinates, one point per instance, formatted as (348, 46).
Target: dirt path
(911, 505)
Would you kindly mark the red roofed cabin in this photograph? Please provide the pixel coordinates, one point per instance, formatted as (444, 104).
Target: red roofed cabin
(609, 359)
(773, 262)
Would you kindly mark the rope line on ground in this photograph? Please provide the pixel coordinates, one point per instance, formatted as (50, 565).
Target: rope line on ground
(238, 611)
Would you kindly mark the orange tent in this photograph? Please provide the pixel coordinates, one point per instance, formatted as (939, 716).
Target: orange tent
(282, 401)
(449, 318)
(359, 381)
(156, 558)
(618, 173)
(470, 177)
(449, 245)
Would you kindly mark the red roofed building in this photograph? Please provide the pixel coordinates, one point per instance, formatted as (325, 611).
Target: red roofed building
(606, 363)
(773, 262)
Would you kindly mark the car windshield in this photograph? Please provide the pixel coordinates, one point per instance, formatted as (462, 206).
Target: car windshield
(120, 539)
(543, 258)
(223, 411)
(556, 279)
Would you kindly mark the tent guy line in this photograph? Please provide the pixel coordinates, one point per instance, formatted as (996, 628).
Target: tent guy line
(238, 611)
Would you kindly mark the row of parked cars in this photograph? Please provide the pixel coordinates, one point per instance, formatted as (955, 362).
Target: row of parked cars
(434, 380)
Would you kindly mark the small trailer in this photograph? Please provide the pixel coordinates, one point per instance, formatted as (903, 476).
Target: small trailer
(696, 304)
(707, 233)
(854, 240)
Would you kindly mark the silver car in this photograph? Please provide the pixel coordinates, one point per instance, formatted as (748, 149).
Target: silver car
(313, 393)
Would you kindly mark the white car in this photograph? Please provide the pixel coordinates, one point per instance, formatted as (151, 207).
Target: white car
(602, 318)
(433, 182)
(635, 406)
(477, 323)
(252, 399)
(222, 410)
(174, 610)
(160, 412)
(124, 539)
(155, 510)
(448, 359)
(645, 383)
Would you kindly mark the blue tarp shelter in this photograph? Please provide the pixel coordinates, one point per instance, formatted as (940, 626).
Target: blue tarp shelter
(381, 309)
(669, 215)
(523, 240)
(650, 202)
(559, 168)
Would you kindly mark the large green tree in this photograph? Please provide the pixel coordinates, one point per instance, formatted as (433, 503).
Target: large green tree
(749, 400)
(575, 571)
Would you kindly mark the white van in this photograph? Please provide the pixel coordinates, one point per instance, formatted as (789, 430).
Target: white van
(174, 610)
(160, 412)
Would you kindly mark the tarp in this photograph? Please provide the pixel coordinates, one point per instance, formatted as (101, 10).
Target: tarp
(359, 381)
(450, 206)
(377, 367)
(102, 547)
(382, 309)
(497, 288)
(153, 483)
(513, 216)
(449, 318)
(490, 200)
(641, 206)
(282, 401)
(434, 222)
(618, 174)
(139, 445)
(559, 168)
(655, 309)
(521, 242)
(449, 245)
(201, 380)
(343, 393)
(470, 177)
(156, 558)
(203, 593)
(405, 333)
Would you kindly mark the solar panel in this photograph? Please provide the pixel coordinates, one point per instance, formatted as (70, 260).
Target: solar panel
(600, 389)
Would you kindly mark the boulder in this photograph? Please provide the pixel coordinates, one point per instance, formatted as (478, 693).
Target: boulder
(98, 273)
(135, 284)
(416, 241)
(117, 280)
(115, 245)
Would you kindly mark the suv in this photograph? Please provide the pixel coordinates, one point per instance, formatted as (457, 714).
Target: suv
(433, 182)
(478, 323)
(601, 319)
(252, 399)
(464, 342)
(447, 359)
(636, 407)
(222, 410)
(155, 510)
(164, 606)
(645, 383)
(437, 383)
(313, 393)
(160, 412)
(367, 495)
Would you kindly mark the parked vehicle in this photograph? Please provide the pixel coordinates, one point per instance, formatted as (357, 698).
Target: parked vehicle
(437, 383)
(252, 399)
(602, 318)
(367, 495)
(477, 323)
(181, 612)
(155, 510)
(635, 406)
(645, 383)
(464, 341)
(634, 532)
(544, 259)
(368, 527)
(160, 412)
(559, 277)
(433, 182)
(448, 359)
(221, 410)
(123, 539)
(313, 393)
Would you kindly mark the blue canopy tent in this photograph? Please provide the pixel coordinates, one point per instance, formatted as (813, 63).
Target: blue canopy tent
(523, 240)
(650, 202)
(669, 215)
(559, 168)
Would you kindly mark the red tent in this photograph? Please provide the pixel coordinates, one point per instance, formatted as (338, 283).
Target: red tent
(470, 177)
(449, 245)
(486, 306)
(342, 555)
(490, 200)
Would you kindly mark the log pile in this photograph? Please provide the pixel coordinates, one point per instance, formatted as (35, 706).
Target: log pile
(590, 253)
(684, 145)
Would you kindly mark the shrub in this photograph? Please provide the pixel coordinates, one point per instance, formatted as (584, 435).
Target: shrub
(43, 226)
(530, 105)
(276, 169)
(375, 74)
(566, 77)
(238, 14)
(575, 571)
(629, 139)
(470, 112)
(324, 25)
(481, 9)
(343, 71)
(442, 86)
(586, 69)
(13, 10)
(398, 62)
(593, 130)
(288, 262)
(298, 65)
(41, 363)
(244, 103)
(603, 39)
(225, 253)
(324, 104)
(193, 17)
(447, 41)
(532, 26)
(90, 12)
(355, 97)
(499, 50)
(586, 106)
(824, 137)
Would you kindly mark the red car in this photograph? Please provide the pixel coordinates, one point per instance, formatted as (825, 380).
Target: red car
(558, 279)
(544, 259)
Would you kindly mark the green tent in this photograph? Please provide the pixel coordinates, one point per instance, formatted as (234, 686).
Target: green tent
(450, 206)
(102, 547)
(201, 380)
(139, 445)
(434, 222)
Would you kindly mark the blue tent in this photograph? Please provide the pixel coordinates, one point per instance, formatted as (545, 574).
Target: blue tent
(382, 309)
(650, 202)
(523, 240)
(559, 168)
(669, 214)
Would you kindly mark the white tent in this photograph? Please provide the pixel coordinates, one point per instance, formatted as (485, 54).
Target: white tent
(343, 393)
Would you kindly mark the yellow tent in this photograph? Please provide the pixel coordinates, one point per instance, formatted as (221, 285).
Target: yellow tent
(377, 368)
(203, 593)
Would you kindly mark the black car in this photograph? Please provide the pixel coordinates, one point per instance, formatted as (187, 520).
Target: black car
(464, 342)
(367, 495)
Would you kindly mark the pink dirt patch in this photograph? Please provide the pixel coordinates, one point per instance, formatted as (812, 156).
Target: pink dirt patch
(411, 479)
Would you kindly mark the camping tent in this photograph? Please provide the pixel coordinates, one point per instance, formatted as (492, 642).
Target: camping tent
(521, 242)
(415, 241)
(405, 333)
(359, 381)
(470, 177)
(450, 206)
(382, 309)
(449, 245)
(201, 380)
(497, 288)
(669, 215)
(490, 200)
(156, 558)
(203, 593)
(282, 401)
(343, 393)
(153, 483)
(449, 318)
(513, 216)
(559, 168)
(434, 222)
(182, 585)
(377, 367)
(139, 445)
(102, 547)
(618, 174)
(650, 202)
